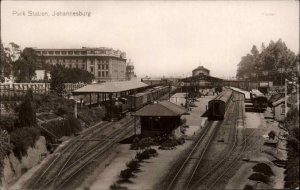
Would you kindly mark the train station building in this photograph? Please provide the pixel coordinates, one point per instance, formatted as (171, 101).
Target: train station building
(162, 117)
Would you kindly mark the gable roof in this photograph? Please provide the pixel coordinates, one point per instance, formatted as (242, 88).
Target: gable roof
(163, 108)
(110, 87)
(278, 102)
(292, 100)
(275, 97)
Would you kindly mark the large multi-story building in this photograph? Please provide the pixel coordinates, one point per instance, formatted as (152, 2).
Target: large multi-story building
(106, 64)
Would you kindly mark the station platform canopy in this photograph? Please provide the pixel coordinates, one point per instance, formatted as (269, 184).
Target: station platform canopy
(110, 87)
(201, 77)
(163, 108)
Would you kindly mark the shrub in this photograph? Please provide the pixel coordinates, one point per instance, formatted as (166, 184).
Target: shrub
(27, 115)
(142, 144)
(4, 150)
(150, 152)
(259, 177)
(272, 134)
(116, 186)
(7, 123)
(140, 156)
(126, 174)
(91, 115)
(171, 143)
(263, 168)
(133, 164)
(59, 128)
(62, 111)
(248, 187)
(22, 138)
(182, 121)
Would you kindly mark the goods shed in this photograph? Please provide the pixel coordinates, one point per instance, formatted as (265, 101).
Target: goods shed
(160, 118)
(100, 92)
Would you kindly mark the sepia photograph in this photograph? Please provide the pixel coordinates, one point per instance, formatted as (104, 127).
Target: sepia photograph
(149, 95)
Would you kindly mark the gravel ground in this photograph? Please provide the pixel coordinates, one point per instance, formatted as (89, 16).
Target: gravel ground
(153, 170)
(256, 121)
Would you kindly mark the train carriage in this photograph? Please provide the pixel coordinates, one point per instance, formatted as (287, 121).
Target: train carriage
(260, 101)
(217, 107)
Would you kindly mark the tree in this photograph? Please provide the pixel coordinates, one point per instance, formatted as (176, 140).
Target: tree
(5, 62)
(27, 114)
(5, 147)
(24, 67)
(61, 75)
(46, 75)
(57, 79)
(276, 61)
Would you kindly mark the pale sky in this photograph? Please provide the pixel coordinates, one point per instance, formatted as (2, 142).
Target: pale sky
(169, 38)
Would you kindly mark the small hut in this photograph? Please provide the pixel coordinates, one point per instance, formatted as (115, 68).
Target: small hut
(160, 118)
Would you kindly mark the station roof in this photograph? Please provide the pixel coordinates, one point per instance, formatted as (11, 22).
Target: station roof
(163, 108)
(246, 93)
(201, 77)
(110, 87)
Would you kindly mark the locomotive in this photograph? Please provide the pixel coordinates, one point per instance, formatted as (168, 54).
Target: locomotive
(260, 101)
(217, 106)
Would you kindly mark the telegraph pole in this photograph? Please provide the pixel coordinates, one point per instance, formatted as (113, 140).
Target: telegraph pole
(285, 93)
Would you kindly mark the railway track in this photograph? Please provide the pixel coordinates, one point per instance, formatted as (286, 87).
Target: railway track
(211, 177)
(221, 172)
(79, 153)
(187, 173)
(184, 175)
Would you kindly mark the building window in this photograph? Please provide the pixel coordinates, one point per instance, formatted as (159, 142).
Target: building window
(106, 74)
(99, 73)
(44, 52)
(102, 67)
(98, 66)
(282, 109)
(82, 66)
(57, 52)
(64, 52)
(76, 52)
(106, 67)
(92, 69)
(92, 62)
(50, 52)
(70, 52)
(102, 73)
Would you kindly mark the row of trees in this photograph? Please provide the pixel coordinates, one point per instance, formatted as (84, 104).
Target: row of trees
(273, 63)
(21, 64)
(61, 75)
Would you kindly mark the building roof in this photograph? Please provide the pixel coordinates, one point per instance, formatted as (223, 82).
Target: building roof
(292, 100)
(179, 95)
(201, 68)
(200, 77)
(275, 97)
(110, 87)
(278, 102)
(163, 108)
(246, 93)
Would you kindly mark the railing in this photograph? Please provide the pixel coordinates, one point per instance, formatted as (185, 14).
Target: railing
(19, 89)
